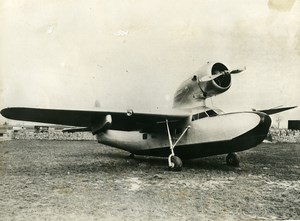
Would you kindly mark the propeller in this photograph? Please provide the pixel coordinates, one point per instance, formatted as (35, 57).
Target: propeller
(220, 73)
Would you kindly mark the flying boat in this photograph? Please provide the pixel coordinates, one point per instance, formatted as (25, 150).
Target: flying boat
(191, 129)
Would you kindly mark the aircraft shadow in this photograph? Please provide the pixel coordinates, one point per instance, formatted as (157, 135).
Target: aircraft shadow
(209, 163)
(112, 155)
(120, 162)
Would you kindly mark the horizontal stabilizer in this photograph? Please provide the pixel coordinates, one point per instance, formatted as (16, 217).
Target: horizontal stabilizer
(276, 110)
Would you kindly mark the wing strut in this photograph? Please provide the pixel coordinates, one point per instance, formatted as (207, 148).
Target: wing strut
(174, 162)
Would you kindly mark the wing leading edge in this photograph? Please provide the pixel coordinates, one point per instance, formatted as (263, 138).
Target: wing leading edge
(126, 120)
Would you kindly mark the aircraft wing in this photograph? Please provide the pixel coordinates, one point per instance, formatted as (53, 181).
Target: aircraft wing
(276, 110)
(92, 119)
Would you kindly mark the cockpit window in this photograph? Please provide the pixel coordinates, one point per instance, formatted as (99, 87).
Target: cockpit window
(209, 113)
(199, 116)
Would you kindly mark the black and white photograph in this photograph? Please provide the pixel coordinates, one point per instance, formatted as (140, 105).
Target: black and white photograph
(150, 110)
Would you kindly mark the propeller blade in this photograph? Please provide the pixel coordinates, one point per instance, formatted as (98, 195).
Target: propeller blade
(214, 76)
(236, 71)
(210, 77)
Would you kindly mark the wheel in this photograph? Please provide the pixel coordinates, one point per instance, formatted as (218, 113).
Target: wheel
(131, 156)
(176, 164)
(233, 160)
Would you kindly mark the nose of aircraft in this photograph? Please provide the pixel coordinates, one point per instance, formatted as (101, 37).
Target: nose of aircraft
(259, 133)
(256, 135)
(264, 124)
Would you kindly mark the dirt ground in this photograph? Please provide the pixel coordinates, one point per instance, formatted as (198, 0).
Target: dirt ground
(83, 180)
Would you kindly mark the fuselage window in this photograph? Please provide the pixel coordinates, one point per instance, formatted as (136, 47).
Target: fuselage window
(178, 131)
(145, 136)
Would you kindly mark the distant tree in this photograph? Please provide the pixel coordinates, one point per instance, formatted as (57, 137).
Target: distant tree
(278, 120)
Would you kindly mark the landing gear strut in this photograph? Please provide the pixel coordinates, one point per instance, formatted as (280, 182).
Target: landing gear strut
(175, 163)
(233, 160)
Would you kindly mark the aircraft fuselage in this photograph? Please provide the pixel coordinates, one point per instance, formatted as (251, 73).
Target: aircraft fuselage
(208, 135)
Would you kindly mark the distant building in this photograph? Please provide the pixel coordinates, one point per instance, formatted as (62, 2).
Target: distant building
(294, 124)
(41, 129)
(2, 131)
(17, 129)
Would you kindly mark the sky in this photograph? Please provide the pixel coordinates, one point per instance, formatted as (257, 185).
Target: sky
(134, 54)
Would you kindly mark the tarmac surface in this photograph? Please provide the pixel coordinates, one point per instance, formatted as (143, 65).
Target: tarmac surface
(84, 180)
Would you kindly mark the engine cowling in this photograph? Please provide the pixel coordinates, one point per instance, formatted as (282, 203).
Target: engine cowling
(210, 80)
(217, 85)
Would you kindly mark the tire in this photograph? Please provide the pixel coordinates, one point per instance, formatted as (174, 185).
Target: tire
(233, 160)
(177, 164)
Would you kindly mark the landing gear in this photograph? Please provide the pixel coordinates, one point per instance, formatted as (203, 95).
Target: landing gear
(233, 160)
(175, 163)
